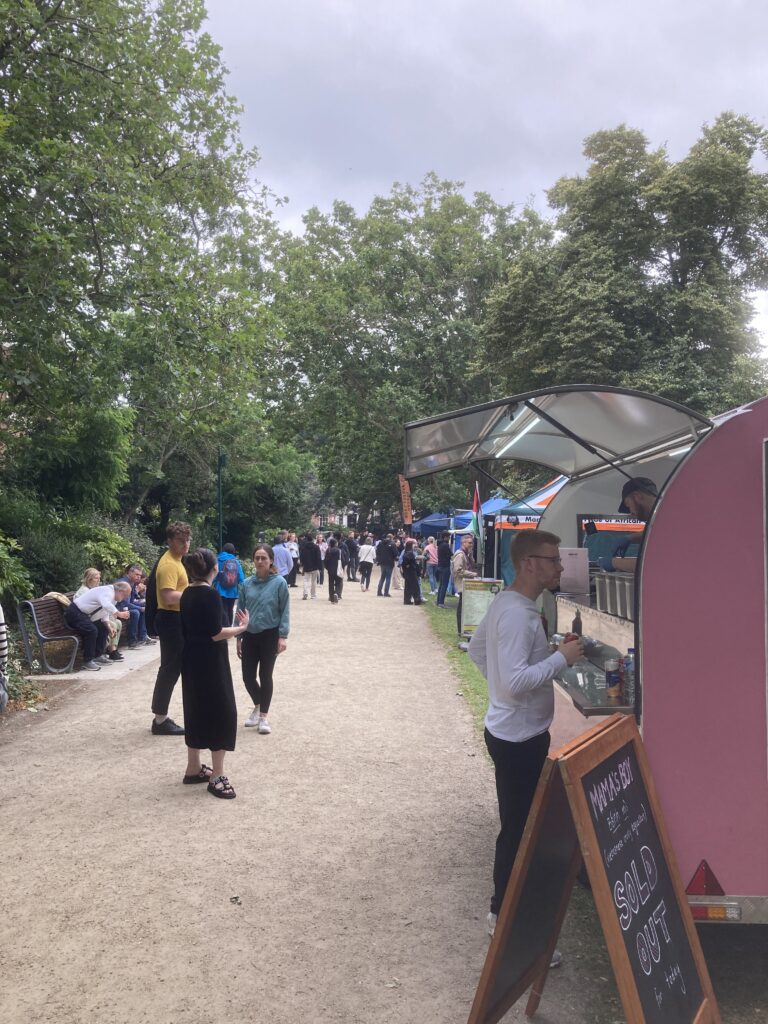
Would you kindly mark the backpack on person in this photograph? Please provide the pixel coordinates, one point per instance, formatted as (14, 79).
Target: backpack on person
(150, 600)
(228, 575)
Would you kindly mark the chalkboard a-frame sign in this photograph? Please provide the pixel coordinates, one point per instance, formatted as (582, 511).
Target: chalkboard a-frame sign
(596, 800)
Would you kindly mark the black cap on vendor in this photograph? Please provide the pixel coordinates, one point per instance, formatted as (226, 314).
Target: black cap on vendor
(642, 494)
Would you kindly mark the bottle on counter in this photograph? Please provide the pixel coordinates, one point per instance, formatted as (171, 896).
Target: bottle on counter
(629, 675)
(576, 626)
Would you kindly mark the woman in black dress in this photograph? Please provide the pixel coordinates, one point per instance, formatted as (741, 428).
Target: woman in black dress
(210, 713)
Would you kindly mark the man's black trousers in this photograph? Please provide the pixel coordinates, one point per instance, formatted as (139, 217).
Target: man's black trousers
(518, 767)
(168, 626)
(93, 634)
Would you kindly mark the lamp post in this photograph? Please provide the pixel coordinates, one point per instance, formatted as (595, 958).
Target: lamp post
(222, 464)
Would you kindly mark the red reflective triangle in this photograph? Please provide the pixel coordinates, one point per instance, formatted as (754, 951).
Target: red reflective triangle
(704, 882)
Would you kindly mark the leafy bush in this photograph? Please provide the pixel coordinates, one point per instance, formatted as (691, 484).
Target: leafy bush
(15, 581)
(19, 509)
(145, 550)
(105, 544)
(54, 559)
(21, 691)
(53, 547)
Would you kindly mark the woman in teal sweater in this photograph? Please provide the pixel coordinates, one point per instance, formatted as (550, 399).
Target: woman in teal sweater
(265, 596)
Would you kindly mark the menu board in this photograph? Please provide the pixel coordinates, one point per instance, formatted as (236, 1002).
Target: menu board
(644, 898)
(596, 800)
(476, 600)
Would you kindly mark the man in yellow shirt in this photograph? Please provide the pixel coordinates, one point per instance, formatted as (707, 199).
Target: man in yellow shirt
(171, 581)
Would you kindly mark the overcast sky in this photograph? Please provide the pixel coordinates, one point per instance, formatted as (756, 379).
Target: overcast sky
(344, 97)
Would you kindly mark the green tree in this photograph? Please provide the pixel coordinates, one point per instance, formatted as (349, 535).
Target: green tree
(126, 205)
(376, 318)
(647, 281)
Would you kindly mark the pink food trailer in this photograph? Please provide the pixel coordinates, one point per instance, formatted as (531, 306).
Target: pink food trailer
(695, 610)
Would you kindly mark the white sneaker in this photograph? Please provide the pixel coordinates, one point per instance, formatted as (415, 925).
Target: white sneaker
(253, 718)
(264, 727)
(491, 920)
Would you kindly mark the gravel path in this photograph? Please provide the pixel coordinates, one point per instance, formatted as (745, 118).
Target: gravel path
(347, 882)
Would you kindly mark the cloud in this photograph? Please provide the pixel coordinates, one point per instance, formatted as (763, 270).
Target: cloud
(343, 97)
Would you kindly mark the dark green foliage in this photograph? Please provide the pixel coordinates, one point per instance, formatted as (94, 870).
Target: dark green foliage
(648, 282)
(54, 559)
(378, 317)
(142, 549)
(15, 580)
(22, 692)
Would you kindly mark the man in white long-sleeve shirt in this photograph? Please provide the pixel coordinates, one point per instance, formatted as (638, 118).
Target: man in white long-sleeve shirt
(511, 650)
(89, 615)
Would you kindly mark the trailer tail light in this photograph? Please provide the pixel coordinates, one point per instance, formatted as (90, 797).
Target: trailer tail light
(715, 911)
(702, 885)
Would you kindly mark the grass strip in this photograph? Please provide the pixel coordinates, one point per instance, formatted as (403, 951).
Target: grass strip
(472, 684)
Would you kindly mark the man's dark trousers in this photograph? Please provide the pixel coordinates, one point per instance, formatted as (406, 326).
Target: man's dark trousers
(93, 634)
(168, 626)
(518, 767)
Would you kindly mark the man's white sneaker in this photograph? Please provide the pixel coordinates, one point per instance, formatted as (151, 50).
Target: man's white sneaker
(264, 727)
(253, 718)
(491, 920)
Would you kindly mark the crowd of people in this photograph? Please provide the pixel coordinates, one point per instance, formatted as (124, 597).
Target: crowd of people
(406, 564)
(203, 599)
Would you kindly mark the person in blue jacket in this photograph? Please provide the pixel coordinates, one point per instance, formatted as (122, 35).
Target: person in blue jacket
(228, 580)
(265, 597)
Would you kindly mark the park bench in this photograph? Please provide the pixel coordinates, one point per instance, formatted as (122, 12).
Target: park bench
(43, 618)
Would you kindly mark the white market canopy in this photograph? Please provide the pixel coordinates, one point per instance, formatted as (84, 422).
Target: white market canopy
(576, 429)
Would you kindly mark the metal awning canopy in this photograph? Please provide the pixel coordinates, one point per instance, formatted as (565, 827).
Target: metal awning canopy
(576, 429)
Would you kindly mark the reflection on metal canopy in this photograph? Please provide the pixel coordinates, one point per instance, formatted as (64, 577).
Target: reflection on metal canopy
(576, 429)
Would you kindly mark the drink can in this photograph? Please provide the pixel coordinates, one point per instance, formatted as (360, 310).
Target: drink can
(613, 678)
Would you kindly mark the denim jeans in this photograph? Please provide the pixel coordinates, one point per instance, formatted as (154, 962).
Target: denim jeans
(444, 578)
(385, 579)
(137, 630)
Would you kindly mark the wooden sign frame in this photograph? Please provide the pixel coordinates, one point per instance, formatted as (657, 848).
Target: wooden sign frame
(560, 829)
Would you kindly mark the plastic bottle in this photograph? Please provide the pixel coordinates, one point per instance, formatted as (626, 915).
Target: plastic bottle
(629, 675)
(576, 626)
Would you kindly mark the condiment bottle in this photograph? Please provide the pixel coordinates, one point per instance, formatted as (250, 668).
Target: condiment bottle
(629, 675)
(576, 626)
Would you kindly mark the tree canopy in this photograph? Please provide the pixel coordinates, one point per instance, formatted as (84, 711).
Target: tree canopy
(153, 314)
(646, 279)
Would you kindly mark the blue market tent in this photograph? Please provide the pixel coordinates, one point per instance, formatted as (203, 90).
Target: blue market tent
(435, 522)
(461, 518)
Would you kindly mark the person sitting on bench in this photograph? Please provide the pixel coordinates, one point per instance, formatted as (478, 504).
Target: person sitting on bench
(88, 616)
